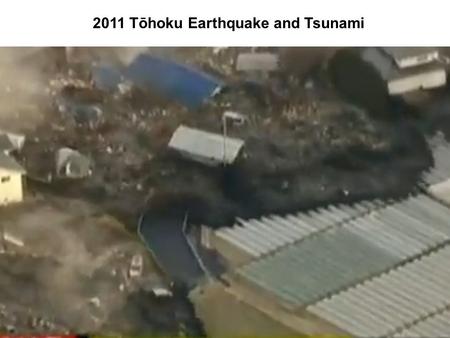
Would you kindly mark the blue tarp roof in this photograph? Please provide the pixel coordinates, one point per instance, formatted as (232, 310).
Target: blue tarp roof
(175, 81)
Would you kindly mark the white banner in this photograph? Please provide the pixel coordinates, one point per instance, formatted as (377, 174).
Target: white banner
(224, 23)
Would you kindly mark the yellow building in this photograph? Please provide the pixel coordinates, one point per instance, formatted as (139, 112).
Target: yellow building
(11, 185)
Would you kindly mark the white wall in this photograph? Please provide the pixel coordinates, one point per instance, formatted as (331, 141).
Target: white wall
(11, 190)
(431, 79)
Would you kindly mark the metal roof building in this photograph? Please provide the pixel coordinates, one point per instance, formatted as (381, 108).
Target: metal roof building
(391, 302)
(205, 147)
(373, 270)
(343, 256)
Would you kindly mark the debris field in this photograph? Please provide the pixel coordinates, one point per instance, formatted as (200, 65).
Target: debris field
(98, 125)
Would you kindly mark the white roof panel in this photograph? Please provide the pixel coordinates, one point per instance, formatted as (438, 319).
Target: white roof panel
(392, 302)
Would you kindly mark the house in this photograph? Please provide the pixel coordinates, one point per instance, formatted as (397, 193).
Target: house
(403, 72)
(11, 183)
(205, 147)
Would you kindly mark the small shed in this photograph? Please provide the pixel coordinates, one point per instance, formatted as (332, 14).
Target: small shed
(11, 183)
(205, 147)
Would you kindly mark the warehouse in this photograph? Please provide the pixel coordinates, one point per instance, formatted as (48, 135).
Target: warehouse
(366, 251)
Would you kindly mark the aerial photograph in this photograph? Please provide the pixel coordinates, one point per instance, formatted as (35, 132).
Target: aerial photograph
(225, 191)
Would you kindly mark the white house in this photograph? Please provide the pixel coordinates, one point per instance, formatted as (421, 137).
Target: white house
(11, 180)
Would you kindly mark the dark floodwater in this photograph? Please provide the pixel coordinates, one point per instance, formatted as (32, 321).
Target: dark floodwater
(164, 236)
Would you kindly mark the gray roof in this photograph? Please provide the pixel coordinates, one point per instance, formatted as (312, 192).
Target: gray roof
(305, 272)
(393, 301)
(262, 236)
(437, 325)
(205, 145)
(10, 164)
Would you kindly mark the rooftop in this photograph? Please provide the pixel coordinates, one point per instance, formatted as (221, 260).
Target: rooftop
(393, 301)
(258, 237)
(8, 163)
(436, 325)
(349, 252)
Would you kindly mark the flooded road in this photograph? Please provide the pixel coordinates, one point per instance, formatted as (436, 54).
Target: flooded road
(164, 237)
